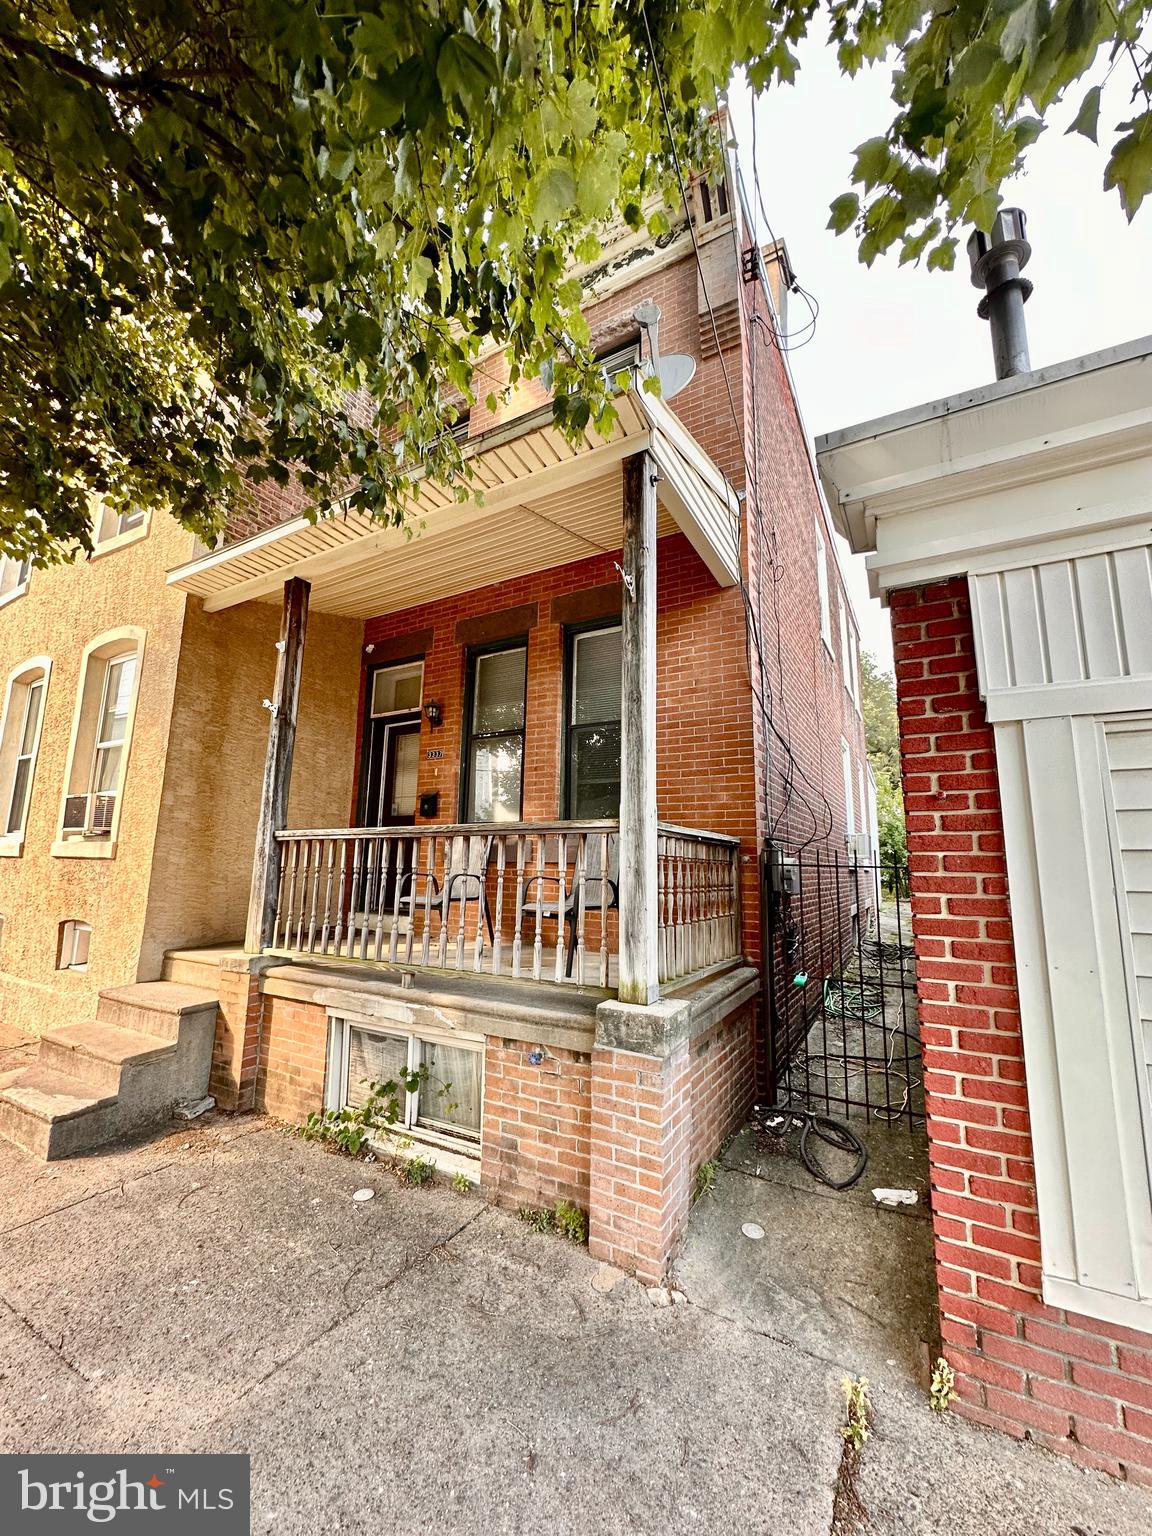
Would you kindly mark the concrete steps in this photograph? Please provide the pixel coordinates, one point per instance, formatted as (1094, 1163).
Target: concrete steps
(198, 966)
(149, 1046)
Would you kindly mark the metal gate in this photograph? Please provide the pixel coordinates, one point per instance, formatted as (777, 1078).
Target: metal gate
(844, 1034)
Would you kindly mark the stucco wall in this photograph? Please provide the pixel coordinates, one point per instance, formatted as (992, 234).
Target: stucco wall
(202, 866)
(62, 611)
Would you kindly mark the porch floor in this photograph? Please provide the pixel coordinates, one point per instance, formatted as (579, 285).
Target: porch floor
(196, 964)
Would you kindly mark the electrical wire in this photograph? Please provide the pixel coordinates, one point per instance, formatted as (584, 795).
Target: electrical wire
(779, 1120)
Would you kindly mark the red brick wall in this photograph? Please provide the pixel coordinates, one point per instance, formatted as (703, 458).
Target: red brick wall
(704, 758)
(536, 1144)
(236, 1044)
(293, 1049)
(653, 1123)
(1076, 1385)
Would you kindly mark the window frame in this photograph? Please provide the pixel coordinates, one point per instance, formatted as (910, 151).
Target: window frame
(462, 1142)
(105, 650)
(103, 543)
(848, 772)
(35, 672)
(21, 586)
(389, 716)
(469, 736)
(823, 589)
(573, 633)
(76, 925)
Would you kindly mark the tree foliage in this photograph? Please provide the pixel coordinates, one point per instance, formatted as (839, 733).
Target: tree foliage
(272, 238)
(882, 741)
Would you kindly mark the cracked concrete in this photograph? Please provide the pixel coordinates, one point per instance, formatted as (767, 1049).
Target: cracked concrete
(424, 1361)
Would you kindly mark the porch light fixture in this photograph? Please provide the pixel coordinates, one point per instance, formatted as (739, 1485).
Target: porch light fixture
(433, 713)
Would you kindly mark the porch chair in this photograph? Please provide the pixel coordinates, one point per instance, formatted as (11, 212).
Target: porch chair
(601, 886)
(465, 879)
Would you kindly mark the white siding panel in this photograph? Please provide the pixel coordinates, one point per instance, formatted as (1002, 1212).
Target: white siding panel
(1061, 626)
(1026, 627)
(1076, 946)
(1133, 585)
(1100, 622)
(1064, 622)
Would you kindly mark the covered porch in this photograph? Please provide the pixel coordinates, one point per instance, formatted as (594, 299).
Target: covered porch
(625, 905)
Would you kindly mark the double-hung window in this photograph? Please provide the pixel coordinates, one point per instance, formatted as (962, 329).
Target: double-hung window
(494, 750)
(19, 743)
(592, 754)
(112, 525)
(822, 587)
(14, 577)
(33, 702)
(101, 736)
(119, 681)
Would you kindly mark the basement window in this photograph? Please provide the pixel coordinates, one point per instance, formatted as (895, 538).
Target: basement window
(72, 950)
(444, 1111)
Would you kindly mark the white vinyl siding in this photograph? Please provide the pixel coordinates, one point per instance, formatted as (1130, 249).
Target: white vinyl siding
(1128, 748)
(1067, 845)
(1064, 658)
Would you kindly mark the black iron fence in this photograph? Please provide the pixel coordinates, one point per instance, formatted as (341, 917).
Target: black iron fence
(844, 1035)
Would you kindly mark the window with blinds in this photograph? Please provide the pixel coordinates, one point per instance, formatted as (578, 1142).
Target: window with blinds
(495, 752)
(592, 783)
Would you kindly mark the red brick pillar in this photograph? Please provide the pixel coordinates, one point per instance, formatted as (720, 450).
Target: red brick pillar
(641, 1150)
(236, 1048)
(1077, 1385)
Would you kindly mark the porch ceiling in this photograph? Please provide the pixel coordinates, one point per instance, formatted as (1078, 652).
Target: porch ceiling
(545, 502)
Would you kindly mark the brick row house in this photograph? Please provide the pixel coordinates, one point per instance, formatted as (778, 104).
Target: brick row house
(1007, 529)
(330, 800)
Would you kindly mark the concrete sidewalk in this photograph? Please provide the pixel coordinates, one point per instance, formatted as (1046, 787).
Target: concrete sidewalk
(425, 1362)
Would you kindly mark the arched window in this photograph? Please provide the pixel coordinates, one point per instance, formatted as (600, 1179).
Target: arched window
(19, 743)
(101, 739)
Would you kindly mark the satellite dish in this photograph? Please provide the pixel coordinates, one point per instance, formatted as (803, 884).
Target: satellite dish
(675, 370)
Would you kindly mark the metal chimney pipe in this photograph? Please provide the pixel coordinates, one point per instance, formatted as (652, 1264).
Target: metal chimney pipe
(997, 259)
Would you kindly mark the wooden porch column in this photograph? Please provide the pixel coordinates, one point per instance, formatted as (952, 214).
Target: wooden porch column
(277, 765)
(639, 918)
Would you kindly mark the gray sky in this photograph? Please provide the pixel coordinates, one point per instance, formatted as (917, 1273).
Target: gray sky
(890, 336)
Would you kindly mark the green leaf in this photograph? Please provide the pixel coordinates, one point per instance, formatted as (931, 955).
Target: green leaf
(872, 160)
(466, 69)
(552, 194)
(598, 182)
(1087, 119)
(1023, 30)
(845, 211)
(942, 257)
(1130, 166)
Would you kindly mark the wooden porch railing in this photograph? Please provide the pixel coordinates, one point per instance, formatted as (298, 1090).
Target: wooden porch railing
(535, 900)
(698, 886)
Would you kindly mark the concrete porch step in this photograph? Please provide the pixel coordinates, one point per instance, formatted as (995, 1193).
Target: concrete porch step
(149, 1046)
(155, 1007)
(199, 966)
(97, 1052)
(51, 1113)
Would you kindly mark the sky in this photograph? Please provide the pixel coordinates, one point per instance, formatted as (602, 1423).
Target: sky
(888, 337)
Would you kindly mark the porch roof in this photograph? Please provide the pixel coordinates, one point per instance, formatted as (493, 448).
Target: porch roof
(546, 501)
